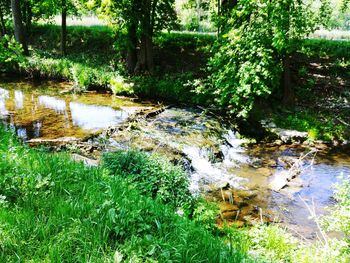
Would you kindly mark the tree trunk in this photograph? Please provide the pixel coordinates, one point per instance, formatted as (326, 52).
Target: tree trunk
(219, 12)
(18, 26)
(149, 53)
(64, 28)
(131, 57)
(288, 92)
(29, 16)
(145, 60)
(2, 22)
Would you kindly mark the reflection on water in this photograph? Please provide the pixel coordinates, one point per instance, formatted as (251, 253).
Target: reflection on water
(313, 184)
(41, 111)
(52, 103)
(95, 117)
(19, 99)
(237, 176)
(3, 96)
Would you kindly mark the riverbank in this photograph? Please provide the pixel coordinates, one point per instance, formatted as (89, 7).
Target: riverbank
(55, 209)
(319, 70)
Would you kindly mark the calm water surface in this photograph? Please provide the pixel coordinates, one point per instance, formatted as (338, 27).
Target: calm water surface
(43, 110)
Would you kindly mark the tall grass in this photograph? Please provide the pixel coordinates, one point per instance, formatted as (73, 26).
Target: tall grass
(56, 210)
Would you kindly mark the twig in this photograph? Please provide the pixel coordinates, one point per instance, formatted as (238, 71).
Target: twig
(312, 212)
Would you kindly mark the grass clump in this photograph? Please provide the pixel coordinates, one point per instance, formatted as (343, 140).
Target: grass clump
(277, 245)
(152, 175)
(55, 210)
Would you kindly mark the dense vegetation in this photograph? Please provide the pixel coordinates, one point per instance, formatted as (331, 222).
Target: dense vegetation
(256, 63)
(53, 209)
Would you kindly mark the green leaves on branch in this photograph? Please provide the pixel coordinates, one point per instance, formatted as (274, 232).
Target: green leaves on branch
(10, 53)
(258, 37)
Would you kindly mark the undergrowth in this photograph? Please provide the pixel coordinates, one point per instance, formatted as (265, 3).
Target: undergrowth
(319, 126)
(55, 210)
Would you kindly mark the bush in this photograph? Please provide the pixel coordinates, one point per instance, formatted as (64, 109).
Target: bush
(10, 53)
(152, 175)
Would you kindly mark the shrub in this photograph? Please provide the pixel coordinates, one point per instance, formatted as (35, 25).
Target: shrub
(152, 175)
(10, 53)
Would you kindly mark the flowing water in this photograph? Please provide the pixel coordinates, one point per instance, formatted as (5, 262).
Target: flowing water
(222, 167)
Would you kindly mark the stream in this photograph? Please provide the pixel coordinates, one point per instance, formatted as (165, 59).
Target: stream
(222, 167)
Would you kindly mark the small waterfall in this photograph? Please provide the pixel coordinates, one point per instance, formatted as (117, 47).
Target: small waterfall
(207, 173)
(232, 150)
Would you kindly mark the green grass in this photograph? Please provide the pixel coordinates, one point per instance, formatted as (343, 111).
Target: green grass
(56, 210)
(154, 176)
(277, 245)
(93, 63)
(326, 48)
(320, 126)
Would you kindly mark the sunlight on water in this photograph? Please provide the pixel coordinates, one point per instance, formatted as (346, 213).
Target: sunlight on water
(91, 117)
(42, 111)
(4, 94)
(49, 102)
(19, 99)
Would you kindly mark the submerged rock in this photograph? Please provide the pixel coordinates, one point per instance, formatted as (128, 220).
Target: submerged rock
(280, 180)
(85, 160)
(288, 136)
(53, 142)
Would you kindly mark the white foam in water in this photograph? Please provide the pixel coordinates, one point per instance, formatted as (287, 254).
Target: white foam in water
(233, 152)
(206, 173)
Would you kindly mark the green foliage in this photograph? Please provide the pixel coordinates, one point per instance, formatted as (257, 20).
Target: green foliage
(119, 86)
(249, 60)
(56, 210)
(206, 213)
(326, 48)
(319, 125)
(152, 175)
(90, 64)
(10, 53)
(83, 76)
(339, 218)
(193, 41)
(92, 40)
(171, 88)
(275, 244)
(196, 15)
